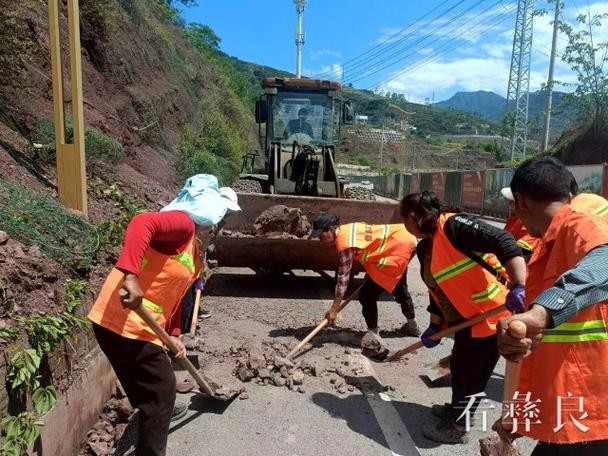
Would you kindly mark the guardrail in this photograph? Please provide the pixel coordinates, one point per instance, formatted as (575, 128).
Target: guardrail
(476, 191)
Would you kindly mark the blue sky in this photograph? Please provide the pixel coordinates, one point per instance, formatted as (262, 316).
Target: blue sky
(447, 45)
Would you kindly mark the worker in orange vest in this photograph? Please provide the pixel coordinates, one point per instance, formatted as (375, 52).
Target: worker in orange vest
(464, 263)
(565, 350)
(384, 251)
(587, 203)
(158, 263)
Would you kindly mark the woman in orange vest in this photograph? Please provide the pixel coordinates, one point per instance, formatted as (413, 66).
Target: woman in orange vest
(565, 369)
(462, 262)
(158, 263)
(384, 251)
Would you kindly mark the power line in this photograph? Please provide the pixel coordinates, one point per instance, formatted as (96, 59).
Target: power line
(363, 74)
(449, 46)
(366, 66)
(389, 41)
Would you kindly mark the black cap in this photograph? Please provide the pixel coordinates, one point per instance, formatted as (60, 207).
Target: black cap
(323, 223)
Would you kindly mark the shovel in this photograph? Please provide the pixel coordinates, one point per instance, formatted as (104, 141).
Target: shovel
(323, 324)
(206, 388)
(504, 445)
(438, 370)
(446, 332)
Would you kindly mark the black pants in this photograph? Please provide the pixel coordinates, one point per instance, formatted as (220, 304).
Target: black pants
(597, 448)
(473, 361)
(145, 372)
(371, 291)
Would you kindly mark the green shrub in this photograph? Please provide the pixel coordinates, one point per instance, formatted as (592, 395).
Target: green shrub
(37, 219)
(216, 144)
(102, 147)
(98, 145)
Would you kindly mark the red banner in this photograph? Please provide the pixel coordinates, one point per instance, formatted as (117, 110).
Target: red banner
(605, 186)
(438, 185)
(472, 189)
(415, 183)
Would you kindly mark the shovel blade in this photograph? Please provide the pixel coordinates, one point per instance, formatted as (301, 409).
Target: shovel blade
(439, 370)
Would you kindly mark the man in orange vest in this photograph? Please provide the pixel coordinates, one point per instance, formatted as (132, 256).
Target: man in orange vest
(384, 251)
(564, 370)
(587, 203)
(158, 263)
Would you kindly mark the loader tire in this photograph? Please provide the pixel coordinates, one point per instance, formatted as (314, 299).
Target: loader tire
(359, 193)
(247, 186)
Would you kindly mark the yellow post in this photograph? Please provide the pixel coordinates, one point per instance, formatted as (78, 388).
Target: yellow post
(71, 164)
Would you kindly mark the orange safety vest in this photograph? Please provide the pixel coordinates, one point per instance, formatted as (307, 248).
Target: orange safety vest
(590, 203)
(384, 250)
(519, 231)
(572, 360)
(164, 280)
(587, 203)
(470, 288)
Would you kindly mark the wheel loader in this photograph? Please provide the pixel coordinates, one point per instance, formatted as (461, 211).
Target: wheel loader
(299, 124)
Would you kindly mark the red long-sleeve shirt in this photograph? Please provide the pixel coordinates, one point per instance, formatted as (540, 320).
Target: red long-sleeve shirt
(167, 233)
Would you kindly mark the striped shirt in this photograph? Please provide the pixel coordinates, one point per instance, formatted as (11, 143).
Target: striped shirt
(578, 288)
(346, 258)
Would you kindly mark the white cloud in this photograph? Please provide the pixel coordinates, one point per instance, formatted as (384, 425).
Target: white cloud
(472, 61)
(316, 55)
(333, 71)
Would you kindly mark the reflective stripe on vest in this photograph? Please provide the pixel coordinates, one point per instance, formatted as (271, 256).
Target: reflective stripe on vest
(453, 270)
(471, 288)
(164, 279)
(490, 293)
(383, 250)
(602, 210)
(584, 331)
(151, 306)
(524, 245)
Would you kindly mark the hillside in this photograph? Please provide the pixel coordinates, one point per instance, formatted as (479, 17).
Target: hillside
(160, 104)
(491, 106)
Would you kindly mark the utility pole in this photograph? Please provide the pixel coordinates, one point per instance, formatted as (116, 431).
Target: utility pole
(381, 145)
(300, 4)
(519, 77)
(71, 166)
(545, 143)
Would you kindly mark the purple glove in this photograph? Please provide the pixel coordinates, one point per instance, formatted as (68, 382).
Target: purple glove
(428, 332)
(199, 284)
(515, 299)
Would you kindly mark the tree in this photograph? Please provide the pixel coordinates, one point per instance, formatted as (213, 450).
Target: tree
(589, 60)
(202, 37)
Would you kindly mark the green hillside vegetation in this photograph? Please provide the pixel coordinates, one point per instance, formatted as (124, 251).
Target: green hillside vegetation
(427, 119)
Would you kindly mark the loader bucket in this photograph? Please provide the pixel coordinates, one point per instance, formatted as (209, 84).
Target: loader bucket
(287, 254)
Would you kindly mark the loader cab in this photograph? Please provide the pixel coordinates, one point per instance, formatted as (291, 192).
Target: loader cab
(299, 123)
(280, 107)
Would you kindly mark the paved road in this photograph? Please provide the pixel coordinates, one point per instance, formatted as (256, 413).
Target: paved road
(277, 421)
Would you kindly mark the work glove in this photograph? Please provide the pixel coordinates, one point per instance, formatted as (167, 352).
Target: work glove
(199, 284)
(426, 335)
(515, 299)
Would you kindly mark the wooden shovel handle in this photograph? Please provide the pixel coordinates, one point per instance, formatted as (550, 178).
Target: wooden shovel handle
(197, 304)
(324, 323)
(164, 337)
(518, 330)
(446, 332)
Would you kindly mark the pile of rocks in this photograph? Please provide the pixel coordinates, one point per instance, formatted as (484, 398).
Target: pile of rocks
(266, 364)
(277, 222)
(271, 367)
(247, 186)
(110, 426)
(359, 193)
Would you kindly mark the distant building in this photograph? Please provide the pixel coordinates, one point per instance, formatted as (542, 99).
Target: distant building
(360, 119)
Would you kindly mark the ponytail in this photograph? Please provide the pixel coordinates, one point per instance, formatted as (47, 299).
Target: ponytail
(425, 206)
